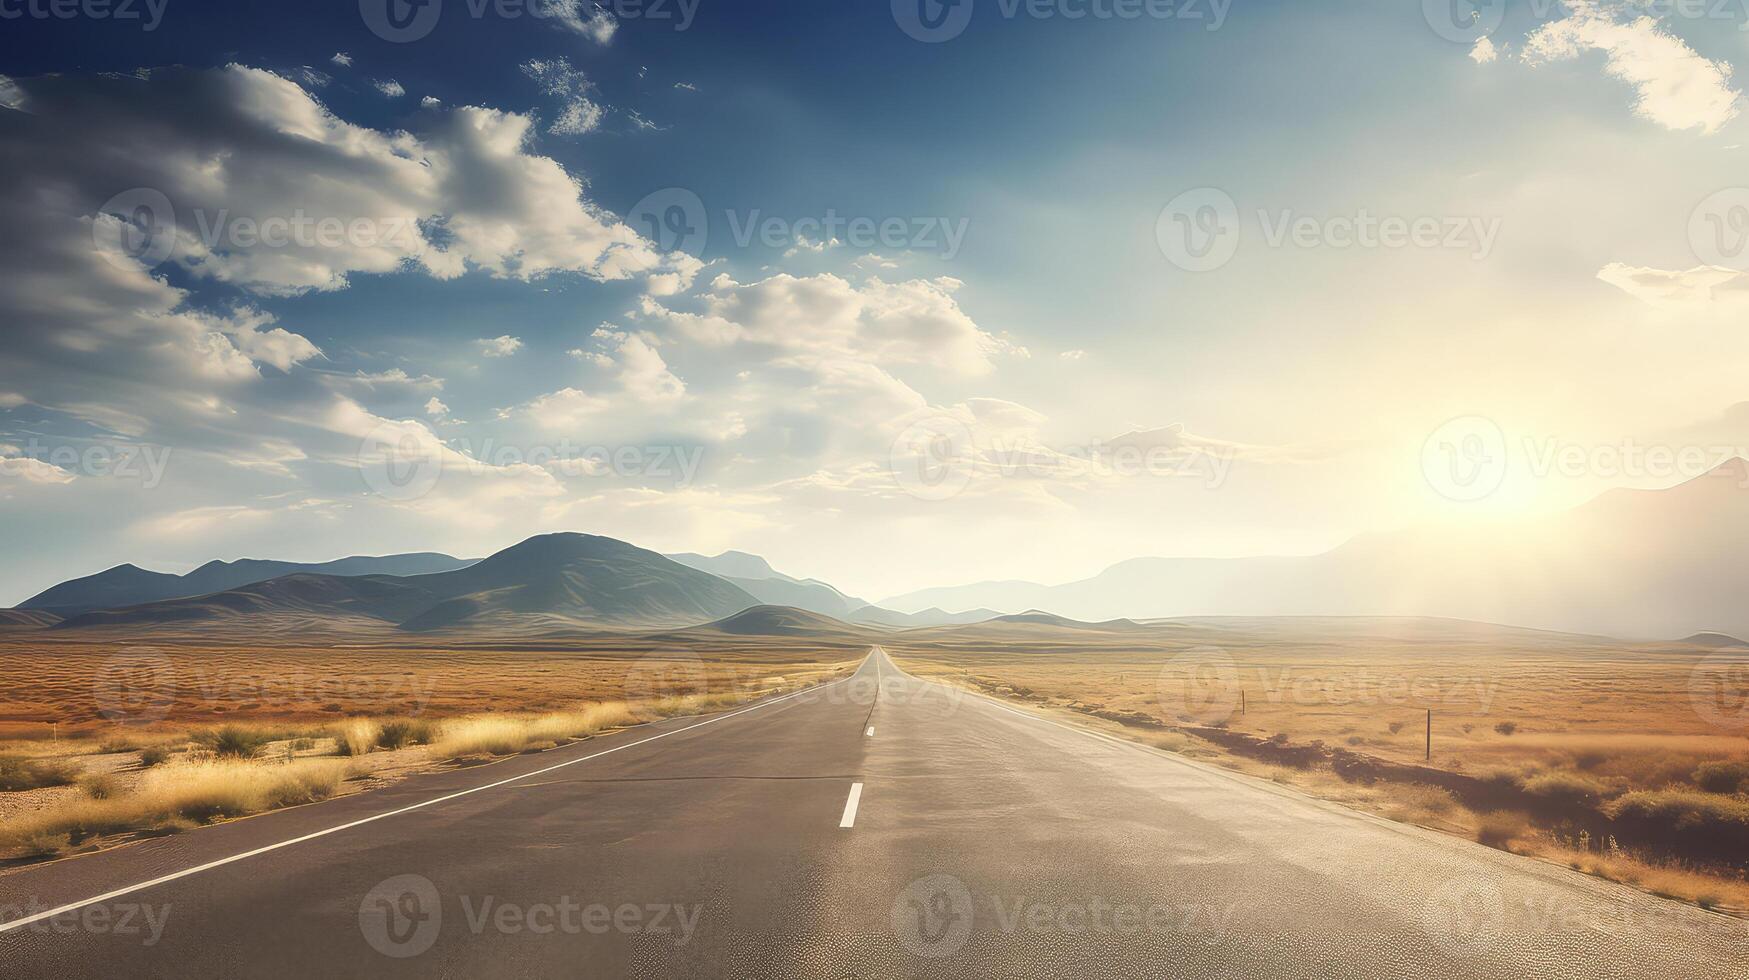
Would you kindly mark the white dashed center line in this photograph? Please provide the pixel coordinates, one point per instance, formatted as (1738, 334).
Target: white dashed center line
(849, 819)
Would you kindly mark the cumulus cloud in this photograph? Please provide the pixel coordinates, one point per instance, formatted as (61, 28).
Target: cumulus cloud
(436, 409)
(499, 346)
(1484, 52)
(1674, 86)
(130, 315)
(914, 322)
(389, 87)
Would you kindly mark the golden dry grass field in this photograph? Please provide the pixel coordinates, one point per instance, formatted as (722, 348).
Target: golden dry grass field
(1552, 741)
(101, 743)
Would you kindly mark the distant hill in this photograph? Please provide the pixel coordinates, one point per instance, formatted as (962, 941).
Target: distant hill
(1719, 640)
(130, 585)
(770, 586)
(1645, 563)
(1041, 618)
(27, 618)
(777, 621)
(877, 616)
(553, 581)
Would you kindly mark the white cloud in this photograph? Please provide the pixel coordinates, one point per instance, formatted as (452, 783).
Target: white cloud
(1072, 355)
(389, 87)
(398, 376)
(582, 17)
(1674, 86)
(499, 346)
(436, 409)
(342, 59)
(1484, 52)
(579, 113)
(1667, 287)
(804, 244)
(430, 101)
(686, 86)
(27, 470)
(642, 123)
(11, 96)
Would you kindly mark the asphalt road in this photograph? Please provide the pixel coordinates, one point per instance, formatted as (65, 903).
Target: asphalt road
(839, 833)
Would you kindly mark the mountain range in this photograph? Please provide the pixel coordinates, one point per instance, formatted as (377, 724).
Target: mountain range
(1646, 563)
(130, 585)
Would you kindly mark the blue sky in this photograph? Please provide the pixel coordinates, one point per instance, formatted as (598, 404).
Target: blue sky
(1024, 336)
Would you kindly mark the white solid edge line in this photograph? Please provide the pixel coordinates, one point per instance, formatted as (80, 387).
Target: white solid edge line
(849, 818)
(186, 872)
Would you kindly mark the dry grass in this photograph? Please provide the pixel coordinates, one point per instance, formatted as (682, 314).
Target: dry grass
(505, 734)
(355, 736)
(18, 773)
(1501, 827)
(176, 795)
(1564, 723)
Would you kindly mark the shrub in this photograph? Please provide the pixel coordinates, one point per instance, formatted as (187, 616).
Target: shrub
(1566, 787)
(17, 773)
(99, 785)
(400, 733)
(1722, 777)
(232, 742)
(355, 737)
(1501, 827)
(153, 755)
(1506, 727)
(1417, 801)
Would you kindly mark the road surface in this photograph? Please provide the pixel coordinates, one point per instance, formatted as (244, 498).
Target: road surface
(917, 832)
